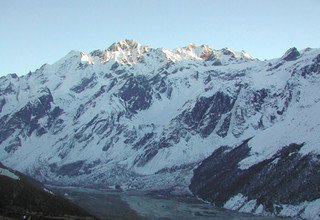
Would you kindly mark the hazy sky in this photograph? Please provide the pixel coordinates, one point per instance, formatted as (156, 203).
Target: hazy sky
(34, 32)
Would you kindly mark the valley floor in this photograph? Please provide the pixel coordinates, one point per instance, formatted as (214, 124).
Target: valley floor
(139, 205)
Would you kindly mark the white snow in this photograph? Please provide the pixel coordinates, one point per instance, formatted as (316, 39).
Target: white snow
(48, 191)
(249, 206)
(300, 130)
(8, 173)
(86, 58)
(185, 71)
(306, 210)
(235, 202)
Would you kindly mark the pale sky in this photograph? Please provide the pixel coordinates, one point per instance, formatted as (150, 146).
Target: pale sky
(34, 32)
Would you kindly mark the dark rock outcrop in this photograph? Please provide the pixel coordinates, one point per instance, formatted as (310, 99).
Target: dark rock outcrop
(313, 68)
(25, 198)
(85, 83)
(207, 112)
(2, 103)
(224, 128)
(281, 179)
(136, 93)
(26, 121)
(27, 117)
(291, 54)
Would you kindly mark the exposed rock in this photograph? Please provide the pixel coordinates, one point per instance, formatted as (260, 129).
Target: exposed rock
(2, 103)
(27, 117)
(223, 130)
(70, 169)
(136, 93)
(85, 83)
(207, 112)
(25, 198)
(281, 179)
(291, 54)
(144, 118)
(310, 69)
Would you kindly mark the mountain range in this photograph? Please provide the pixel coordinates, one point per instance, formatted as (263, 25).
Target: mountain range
(229, 128)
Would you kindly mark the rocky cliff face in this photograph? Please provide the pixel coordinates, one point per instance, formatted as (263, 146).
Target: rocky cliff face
(145, 118)
(266, 187)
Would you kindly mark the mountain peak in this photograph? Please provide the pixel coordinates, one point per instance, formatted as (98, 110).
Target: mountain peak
(129, 52)
(124, 45)
(124, 51)
(291, 54)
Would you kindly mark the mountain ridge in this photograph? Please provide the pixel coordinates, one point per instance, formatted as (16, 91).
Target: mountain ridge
(130, 52)
(148, 124)
(22, 197)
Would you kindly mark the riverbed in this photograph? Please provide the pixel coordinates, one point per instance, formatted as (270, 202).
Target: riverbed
(108, 204)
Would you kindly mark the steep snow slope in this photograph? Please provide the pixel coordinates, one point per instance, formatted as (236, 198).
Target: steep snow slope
(145, 118)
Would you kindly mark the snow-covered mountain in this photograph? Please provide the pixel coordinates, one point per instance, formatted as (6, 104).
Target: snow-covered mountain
(146, 118)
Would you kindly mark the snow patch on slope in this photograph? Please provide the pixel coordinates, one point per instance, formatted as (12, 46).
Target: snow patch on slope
(8, 173)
